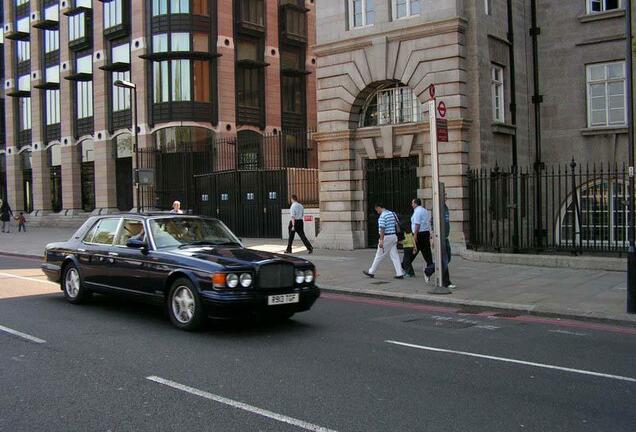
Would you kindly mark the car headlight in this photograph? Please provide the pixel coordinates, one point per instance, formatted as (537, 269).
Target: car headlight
(309, 276)
(246, 280)
(300, 276)
(231, 280)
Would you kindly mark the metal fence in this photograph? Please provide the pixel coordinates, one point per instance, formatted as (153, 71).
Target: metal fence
(177, 165)
(562, 208)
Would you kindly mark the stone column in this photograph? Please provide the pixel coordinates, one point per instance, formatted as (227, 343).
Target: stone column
(341, 213)
(15, 179)
(105, 163)
(226, 86)
(71, 155)
(273, 114)
(40, 164)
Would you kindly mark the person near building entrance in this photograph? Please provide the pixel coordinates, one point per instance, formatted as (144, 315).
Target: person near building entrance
(5, 216)
(296, 225)
(176, 207)
(388, 228)
(21, 222)
(421, 227)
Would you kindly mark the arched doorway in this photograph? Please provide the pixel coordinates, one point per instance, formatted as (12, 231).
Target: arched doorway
(124, 171)
(55, 163)
(87, 148)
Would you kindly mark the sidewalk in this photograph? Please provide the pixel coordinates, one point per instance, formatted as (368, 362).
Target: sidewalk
(550, 291)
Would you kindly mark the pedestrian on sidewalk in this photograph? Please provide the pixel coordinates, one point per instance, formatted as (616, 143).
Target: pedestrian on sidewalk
(388, 227)
(408, 245)
(446, 251)
(297, 225)
(176, 208)
(21, 222)
(421, 227)
(6, 214)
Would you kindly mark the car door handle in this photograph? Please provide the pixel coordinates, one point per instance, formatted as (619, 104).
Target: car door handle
(115, 254)
(81, 250)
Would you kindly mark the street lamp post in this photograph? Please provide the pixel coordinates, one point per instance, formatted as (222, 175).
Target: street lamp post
(133, 102)
(631, 254)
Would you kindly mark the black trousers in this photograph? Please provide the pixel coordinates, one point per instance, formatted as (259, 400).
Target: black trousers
(299, 228)
(424, 247)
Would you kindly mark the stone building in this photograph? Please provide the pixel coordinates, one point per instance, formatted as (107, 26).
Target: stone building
(377, 58)
(200, 67)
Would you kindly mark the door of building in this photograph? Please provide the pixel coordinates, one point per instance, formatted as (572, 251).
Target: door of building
(392, 182)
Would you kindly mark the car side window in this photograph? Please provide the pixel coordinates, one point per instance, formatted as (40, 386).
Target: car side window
(131, 228)
(88, 238)
(104, 233)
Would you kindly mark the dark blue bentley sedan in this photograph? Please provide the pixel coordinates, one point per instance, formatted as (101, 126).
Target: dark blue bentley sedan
(195, 266)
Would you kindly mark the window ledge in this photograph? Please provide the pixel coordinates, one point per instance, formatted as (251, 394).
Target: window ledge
(612, 130)
(504, 129)
(599, 16)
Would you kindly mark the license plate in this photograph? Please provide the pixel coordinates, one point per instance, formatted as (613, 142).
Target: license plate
(274, 300)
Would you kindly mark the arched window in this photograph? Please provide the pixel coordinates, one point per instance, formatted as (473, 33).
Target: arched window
(391, 104)
(595, 216)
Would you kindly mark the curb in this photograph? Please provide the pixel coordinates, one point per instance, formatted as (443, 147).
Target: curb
(476, 304)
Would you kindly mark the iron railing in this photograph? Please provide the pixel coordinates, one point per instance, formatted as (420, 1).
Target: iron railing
(583, 209)
(177, 164)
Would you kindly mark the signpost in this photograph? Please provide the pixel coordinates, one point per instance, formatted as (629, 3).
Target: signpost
(434, 128)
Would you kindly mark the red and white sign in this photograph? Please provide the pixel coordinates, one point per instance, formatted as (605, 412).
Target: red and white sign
(442, 130)
(441, 109)
(431, 91)
(308, 218)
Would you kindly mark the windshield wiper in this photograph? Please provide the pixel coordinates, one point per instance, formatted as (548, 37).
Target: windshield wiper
(198, 243)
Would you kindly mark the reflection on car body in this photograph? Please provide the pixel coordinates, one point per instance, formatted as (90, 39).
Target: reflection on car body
(195, 265)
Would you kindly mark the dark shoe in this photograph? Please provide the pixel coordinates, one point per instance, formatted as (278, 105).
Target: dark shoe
(366, 273)
(310, 251)
(398, 277)
(288, 251)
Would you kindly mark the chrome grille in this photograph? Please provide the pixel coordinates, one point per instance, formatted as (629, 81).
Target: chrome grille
(276, 276)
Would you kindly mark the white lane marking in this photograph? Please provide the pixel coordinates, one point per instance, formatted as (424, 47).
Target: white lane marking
(9, 275)
(508, 360)
(22, 335)
(566, 332)
(240, 405)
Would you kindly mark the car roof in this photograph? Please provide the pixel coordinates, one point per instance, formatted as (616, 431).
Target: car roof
(153, 215)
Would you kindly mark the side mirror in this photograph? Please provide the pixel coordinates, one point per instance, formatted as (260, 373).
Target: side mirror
(134, 243)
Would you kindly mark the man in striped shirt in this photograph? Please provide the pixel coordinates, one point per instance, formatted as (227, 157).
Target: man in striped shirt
(387, 227)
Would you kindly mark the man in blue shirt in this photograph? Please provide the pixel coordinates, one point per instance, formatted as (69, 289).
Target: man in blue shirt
(387, 228)
(421, 227)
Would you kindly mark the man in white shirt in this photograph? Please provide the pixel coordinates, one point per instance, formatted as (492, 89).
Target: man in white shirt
(176, 208)
(296, 225)
(421, 227)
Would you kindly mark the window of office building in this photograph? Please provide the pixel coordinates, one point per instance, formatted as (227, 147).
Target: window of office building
(251, 11)
(405, 8)
(52, 102)
(394, 105)
(121, 96)
(497, 93)
(292, 81)
(606, 99)
(595, 6)
(113, 13)
(23, 25)
(51, 40)
(52, 13)
(249, 74)
(488, 7)
(84, 88)
(174, 7)
(24, 103)
(21, 2)
(361, 13)
(76, 26)
(181, 80)
(23, 51)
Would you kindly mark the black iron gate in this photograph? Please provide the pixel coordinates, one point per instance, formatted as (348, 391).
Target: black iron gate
(392, 182)
(249, 202)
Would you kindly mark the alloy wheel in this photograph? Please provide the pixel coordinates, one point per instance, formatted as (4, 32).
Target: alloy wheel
(183, 304)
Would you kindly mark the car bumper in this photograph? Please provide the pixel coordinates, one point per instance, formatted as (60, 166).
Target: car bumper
(52, 271)
(229, 305)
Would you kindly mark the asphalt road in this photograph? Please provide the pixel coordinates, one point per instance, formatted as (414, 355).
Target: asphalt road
(350, 364)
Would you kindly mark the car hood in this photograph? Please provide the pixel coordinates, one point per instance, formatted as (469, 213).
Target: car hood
(235, 256)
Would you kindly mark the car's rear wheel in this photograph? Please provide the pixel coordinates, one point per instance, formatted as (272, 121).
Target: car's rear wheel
(184, 305)
(74, 290)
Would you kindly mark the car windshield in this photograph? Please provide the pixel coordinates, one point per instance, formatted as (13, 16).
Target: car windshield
(182, 231)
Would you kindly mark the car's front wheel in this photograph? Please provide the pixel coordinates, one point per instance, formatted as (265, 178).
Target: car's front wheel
(184, 305)
(74, 290)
